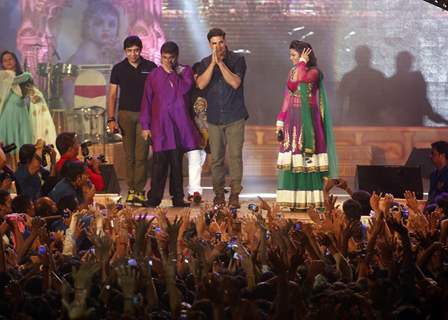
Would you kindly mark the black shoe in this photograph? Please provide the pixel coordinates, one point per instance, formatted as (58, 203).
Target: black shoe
(180, 204)
(151, 204)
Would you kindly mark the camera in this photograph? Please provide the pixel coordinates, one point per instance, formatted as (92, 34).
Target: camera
(399, 208)
(46, 150)
(252, 207)
(86, 152)
(9, 147)
(101, 158)
(85, 148)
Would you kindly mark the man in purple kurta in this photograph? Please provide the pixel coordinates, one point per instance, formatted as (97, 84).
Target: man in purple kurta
(165, 118)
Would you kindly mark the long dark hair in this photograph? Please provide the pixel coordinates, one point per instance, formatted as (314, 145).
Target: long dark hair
(299, 46)
(25, 86)
(18, 67)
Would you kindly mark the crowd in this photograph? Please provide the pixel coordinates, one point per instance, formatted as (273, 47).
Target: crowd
(69, 258)
(64, 256)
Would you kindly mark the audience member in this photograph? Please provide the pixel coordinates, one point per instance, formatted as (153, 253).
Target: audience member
(438, 181)
(68, 146)
(76, 183)
(32, 179)
(5, 203)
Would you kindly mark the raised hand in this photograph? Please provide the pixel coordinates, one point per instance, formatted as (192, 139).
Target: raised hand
(411, 201)
(79, 228)
(103, 246)
(37, 224)
(388, 200)
(173, 228)
(330, 205)
(161, 218)
(329, 184)
(248, 266)
(264, 205)
(314, 215)
(83, 276)
(141, 226)
(127, 280)
(375, 202)
(305, 55)
(342, 183)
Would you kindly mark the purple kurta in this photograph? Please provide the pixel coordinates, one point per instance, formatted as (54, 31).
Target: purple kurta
(164, 110)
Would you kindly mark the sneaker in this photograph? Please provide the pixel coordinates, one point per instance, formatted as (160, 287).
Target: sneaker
(139, 199)
(234, 200)
(219, 200)
(130, 197)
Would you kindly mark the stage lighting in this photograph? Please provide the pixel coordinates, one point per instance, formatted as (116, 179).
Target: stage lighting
(439, 3)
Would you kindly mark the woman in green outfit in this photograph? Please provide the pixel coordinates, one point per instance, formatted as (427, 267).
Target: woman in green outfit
(15, 125)
(307, 153)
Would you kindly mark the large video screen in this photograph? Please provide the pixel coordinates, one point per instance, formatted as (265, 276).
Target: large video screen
(383, 61)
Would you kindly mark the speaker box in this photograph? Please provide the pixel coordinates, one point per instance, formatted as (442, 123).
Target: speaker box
(419, 157)
(390, 179)
(110, 178)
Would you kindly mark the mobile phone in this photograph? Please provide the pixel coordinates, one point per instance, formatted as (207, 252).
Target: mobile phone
(232, 245)
(252, 207)
(42, 250)
(233, 212)
(280, 136)
(268, 235)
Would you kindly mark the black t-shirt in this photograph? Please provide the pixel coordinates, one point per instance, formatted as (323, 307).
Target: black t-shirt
(131, 82)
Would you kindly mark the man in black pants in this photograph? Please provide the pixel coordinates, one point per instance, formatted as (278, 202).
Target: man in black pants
(165, 118)
(129, 75)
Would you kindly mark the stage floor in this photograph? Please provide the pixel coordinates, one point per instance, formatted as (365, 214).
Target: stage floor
(264, 187)
(253, 187)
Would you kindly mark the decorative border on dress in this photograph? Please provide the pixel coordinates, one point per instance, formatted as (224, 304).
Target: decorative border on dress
(300, 199)
(301, 163)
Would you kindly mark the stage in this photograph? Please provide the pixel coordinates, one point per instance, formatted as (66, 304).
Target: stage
(355, 146)
(389, 146)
